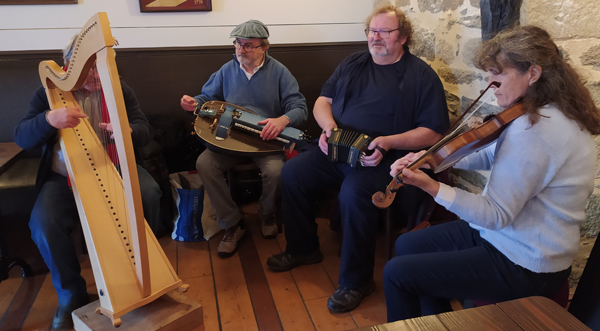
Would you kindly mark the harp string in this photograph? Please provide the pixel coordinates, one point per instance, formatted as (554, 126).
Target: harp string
(91, 101)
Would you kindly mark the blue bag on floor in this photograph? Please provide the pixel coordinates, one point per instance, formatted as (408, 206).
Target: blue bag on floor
(195, 219)
(188, 225)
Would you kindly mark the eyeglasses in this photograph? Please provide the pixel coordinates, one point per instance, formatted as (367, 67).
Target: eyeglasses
(247, 46)
(382, 33)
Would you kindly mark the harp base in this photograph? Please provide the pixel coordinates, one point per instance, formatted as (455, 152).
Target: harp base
(172, 311)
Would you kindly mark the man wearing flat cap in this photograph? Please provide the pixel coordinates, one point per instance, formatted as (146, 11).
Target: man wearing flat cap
(255, 81)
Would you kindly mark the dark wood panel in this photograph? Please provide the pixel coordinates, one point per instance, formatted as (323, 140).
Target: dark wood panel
(160, 76)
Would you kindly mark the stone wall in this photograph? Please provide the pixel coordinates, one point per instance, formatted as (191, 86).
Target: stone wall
(574, 26)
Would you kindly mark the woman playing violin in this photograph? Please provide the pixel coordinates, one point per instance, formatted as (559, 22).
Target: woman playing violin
(520, 236)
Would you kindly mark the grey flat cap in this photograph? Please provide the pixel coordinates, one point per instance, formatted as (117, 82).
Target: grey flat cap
(250, 29)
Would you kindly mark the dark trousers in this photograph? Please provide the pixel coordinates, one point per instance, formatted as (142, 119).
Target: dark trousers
(451, 261)
(54, 217)
(305, 177)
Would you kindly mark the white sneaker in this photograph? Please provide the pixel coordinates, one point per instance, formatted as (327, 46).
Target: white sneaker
(269, 228)
(228, 245)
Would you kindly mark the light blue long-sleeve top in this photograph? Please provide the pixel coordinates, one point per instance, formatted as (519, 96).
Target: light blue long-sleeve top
(534, 202)
(271, 92)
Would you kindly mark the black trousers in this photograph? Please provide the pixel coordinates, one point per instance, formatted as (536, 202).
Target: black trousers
(306, 176)
(451, 261)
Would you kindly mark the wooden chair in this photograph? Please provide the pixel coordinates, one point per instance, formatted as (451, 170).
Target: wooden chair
(244, 181)
(585, 304)
(17, 197)
(426, 214)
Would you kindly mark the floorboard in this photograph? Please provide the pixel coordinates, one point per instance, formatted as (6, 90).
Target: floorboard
(325, 320)
(233, 300)
(202, 289)
(21, 304)
(236, 293)
(289, 304)
(42, 311)
(9, 288)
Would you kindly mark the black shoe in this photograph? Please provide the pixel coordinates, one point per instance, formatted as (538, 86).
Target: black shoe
(344, 300)
(286, 261)
(62, 318)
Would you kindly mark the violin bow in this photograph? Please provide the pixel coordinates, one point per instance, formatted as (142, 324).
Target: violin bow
(384, 200)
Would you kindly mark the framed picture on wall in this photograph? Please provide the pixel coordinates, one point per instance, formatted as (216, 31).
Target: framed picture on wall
(36, 2)
(174, 5)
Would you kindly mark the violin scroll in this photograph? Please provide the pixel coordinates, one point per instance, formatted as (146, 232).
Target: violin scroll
(383, 200)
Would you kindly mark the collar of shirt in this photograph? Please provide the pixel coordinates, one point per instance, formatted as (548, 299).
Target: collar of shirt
(249, 75)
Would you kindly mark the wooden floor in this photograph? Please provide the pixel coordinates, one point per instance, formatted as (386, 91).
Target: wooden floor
(237, 293)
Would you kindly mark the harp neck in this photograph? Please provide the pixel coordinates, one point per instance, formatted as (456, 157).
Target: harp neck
(94, 36)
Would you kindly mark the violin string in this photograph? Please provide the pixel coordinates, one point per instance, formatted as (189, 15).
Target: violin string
(465, 119)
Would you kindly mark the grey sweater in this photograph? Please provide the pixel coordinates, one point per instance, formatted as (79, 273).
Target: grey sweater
(534, 202)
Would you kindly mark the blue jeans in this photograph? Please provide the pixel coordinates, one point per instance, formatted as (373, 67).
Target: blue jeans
(304, 179)
(451, 261)
(54, 216)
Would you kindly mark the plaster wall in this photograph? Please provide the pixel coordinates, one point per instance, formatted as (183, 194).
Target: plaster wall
(48, 27)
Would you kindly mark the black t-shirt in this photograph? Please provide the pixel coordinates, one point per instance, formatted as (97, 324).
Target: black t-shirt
(386, 99)
(371, 104)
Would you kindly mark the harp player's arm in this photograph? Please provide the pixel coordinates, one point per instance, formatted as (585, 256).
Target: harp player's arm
(41, 124)
(324, 117)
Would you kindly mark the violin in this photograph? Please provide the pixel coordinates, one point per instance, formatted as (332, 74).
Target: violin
(455, 145)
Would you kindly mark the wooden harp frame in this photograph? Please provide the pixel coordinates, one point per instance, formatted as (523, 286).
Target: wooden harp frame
(129, 265)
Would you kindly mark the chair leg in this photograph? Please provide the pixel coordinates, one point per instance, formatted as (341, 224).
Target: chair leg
(279, 217)
(388, 234)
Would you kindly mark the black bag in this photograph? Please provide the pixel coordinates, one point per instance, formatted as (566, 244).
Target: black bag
(180, 147)
(154, 162)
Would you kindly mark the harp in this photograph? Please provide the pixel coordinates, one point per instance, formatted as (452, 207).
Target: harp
(130, 268)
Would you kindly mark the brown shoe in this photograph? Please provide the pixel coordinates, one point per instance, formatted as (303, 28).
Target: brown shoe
(228, 245)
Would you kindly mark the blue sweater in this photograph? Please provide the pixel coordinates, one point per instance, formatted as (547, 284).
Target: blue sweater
(534, 202)
(271, 92)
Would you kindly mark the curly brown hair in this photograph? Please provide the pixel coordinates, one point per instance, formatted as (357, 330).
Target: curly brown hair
(405, 28)
(521, 47)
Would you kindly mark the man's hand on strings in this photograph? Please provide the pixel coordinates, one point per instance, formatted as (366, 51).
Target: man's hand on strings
(108, 127)
(188, 103)
(66, 117)
(323, 138)
(380, 145)
(273, 127)
(406, 160)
